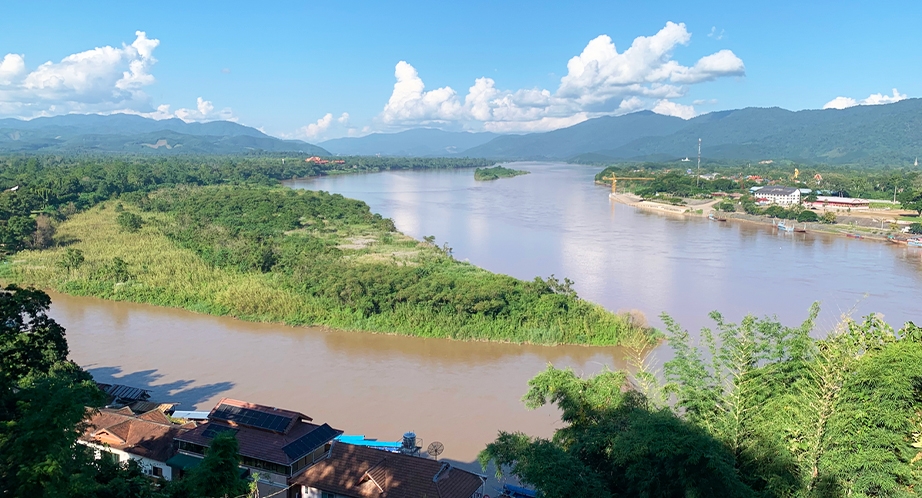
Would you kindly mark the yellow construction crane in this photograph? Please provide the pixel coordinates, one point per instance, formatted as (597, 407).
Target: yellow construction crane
(614, 180)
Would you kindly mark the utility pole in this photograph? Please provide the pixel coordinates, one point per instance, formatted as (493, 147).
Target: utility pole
(698, 178)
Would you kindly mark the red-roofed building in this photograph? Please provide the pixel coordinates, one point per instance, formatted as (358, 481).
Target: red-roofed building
(146, 438)
(839, 203)
(352, 471)
(272, 442)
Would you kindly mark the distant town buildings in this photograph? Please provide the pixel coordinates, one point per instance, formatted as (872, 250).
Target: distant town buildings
(782, 196)
(320, 160)
(838, 203)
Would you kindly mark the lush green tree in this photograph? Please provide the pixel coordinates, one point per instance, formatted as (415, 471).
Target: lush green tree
(43, 400)
(218, 475)
(726, 205)
(613, 443)
(71, 259)
(911, 199)
(915, 228)
(129, 222)
(828, 217)
(807, 216)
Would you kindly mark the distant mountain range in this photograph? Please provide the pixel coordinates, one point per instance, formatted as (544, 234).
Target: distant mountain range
(419, 142)
(881, 134)
(93, 133)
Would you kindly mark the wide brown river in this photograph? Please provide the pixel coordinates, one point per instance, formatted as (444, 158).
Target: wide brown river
(551, 221)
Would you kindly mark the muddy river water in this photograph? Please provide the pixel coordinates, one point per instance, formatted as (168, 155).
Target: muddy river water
(553, 221)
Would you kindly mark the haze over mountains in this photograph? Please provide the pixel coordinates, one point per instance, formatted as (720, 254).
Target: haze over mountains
(93, 133)
(418, 142)
(880, 134)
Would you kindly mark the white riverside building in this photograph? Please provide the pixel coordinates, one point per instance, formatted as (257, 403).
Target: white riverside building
(782, 196)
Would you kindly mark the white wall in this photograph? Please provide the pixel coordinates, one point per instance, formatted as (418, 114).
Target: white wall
(146, 463)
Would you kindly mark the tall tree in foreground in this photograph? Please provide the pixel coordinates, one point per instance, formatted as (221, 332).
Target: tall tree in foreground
(754, 409)
(43, 400)
(613, 444)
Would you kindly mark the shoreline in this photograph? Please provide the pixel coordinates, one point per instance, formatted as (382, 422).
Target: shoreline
(838, 229)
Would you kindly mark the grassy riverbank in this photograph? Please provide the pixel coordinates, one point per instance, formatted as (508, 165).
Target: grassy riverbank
(304, 258)
(496, 172)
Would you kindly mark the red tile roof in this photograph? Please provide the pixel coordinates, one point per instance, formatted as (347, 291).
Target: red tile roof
(259, 444)
(145, 435)
(362, 472)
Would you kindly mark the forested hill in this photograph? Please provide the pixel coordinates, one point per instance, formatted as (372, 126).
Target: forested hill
(589, 136)
(124, 133)
(419, 142)
(882, 134)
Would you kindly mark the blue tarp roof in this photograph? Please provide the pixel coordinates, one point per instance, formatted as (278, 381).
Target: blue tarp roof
(361, 440)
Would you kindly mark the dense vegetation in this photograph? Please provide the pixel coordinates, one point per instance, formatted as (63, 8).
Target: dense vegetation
(497, 172)
(45, 399)
(270, 253)
(757, 409)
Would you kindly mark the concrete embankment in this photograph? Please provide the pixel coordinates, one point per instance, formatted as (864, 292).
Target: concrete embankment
(705, 208)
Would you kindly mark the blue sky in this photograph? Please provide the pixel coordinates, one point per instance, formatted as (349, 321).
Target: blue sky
(294, 68)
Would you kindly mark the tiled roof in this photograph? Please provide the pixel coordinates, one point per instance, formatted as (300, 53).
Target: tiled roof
(266, 445)
(269, 410)
(776, 190)
(361, 472)
(140, 435)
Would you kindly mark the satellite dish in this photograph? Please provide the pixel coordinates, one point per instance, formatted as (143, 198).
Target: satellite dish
(435, 449)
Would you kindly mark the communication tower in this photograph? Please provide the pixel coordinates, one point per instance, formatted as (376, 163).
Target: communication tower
(698, 178)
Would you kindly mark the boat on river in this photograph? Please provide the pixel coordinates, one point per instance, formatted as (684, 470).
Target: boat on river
(712, 216)
(784, 228)
(914, 242)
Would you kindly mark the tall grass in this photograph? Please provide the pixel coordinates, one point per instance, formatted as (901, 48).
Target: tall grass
(164, 274)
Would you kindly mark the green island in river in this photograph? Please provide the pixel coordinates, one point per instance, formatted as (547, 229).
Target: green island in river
(496, 172)
(267, 253)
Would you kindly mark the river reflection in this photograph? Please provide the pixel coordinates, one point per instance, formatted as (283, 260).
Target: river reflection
(556, 220)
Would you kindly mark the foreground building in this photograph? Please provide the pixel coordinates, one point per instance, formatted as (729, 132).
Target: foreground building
(121, 435)
(273, 443)
(351, 471)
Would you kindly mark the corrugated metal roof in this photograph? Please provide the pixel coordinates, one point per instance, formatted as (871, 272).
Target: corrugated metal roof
(127, 393)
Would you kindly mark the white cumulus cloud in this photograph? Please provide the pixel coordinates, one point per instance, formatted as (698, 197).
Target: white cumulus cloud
(319, 128)
(204, 111)
(668, 108)
(97, 80)
(410, 102)
(599, 81)
(873, 99)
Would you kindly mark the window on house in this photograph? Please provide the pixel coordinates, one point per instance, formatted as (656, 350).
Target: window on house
(156, 471)
(324, 494)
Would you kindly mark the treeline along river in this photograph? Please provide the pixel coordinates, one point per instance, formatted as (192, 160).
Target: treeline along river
(551, 221)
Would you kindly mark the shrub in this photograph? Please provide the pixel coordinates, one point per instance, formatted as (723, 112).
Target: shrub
(72, 259)
(915, 228)
(807, 216)
(828, 217)
(129, 222)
